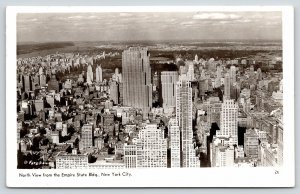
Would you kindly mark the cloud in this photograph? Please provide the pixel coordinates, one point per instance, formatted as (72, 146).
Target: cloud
(273, 23)
(187, 23)
(245, 20)
(75, 17)
(125, 14)
(224, 22)
(239, 21)
(23, 20)
(216, 16)
(129, 25)
(33, 20)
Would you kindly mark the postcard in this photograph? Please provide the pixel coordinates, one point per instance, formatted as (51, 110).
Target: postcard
(157, 96)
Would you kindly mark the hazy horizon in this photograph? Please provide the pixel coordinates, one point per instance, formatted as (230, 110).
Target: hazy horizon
(159, 41)
(133, 26)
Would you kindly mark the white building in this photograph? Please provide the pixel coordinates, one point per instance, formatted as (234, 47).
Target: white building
(55, 137)
(64, 131)
(80, 161)
(190, 72)
(89, 75)
(99, 74)
(184, 118)
(239, 152)
(196, 60)
(130, 156)
(244, 162)
(107, 163)
(225, 156)
(280, 145)
(117, 76)
(70, 161)
(151, 148)
(174, 134)
(218, 78)
(267, 155)
(222, 152)
(229, 120)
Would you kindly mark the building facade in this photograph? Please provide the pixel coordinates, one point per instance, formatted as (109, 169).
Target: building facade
(168, 82)
(130, 156)
(89, 75)
(251, 143)
(184, 117)
(70, 161)
(151, 148)
(174, 134)
(226, 87)
(229, 120)
(86, 140)
(99, 74)
(137, 87)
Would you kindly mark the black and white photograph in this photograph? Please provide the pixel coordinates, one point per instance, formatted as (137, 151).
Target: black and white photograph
(116, 92)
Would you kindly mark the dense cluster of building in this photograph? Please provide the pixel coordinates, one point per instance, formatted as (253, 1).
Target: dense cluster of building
(87, 122)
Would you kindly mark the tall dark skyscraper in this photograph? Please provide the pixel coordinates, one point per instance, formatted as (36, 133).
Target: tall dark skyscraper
(226, 87)
(27, 83)
(137, 87)
(168, 81)
(184, 106)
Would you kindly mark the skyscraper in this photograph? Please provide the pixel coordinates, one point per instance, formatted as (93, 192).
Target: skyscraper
(190, 70)
(53, 84)
(280, 145)
(251, 144)
(174, 134)
(196, 58)
(235, 91)
(114, 92)
(27, 83)
(251, 72)
(258, 74)
(130, 156)
(99, 74)
(117, 76)
(86, 136)
(42, 80)
(184, 116)
(168, 82)
(203, 86)
(151, 148)
(41, 71)
(137, 88)
(232, 74)
(226, 87)
(213, 105)
(218, 79)
(229, 120)
(39, 105)
(223, 156)
(89, 75)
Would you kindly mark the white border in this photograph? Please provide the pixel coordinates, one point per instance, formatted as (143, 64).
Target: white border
(202, 177)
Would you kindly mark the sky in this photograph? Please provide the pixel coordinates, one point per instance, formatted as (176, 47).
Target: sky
(130, 26)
